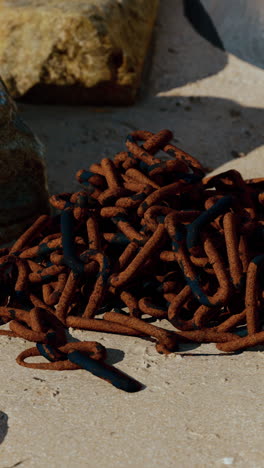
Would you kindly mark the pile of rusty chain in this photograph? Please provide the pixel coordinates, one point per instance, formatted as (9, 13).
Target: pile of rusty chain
(148, 233)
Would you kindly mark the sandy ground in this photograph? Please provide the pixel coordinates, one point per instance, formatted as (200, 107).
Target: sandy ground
(199, 409)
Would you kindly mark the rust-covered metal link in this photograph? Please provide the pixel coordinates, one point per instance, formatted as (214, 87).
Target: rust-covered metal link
(149, 233)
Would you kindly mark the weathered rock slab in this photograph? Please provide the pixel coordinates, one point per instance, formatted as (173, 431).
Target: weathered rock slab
(75, 51)
(23, 186)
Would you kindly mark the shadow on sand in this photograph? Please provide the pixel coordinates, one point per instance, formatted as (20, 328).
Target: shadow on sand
(3, 426)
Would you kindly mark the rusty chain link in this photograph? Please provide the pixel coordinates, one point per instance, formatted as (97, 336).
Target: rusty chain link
(147, 232)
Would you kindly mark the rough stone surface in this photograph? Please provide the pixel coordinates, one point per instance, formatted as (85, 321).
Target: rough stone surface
(86, 51)
(22, 172)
